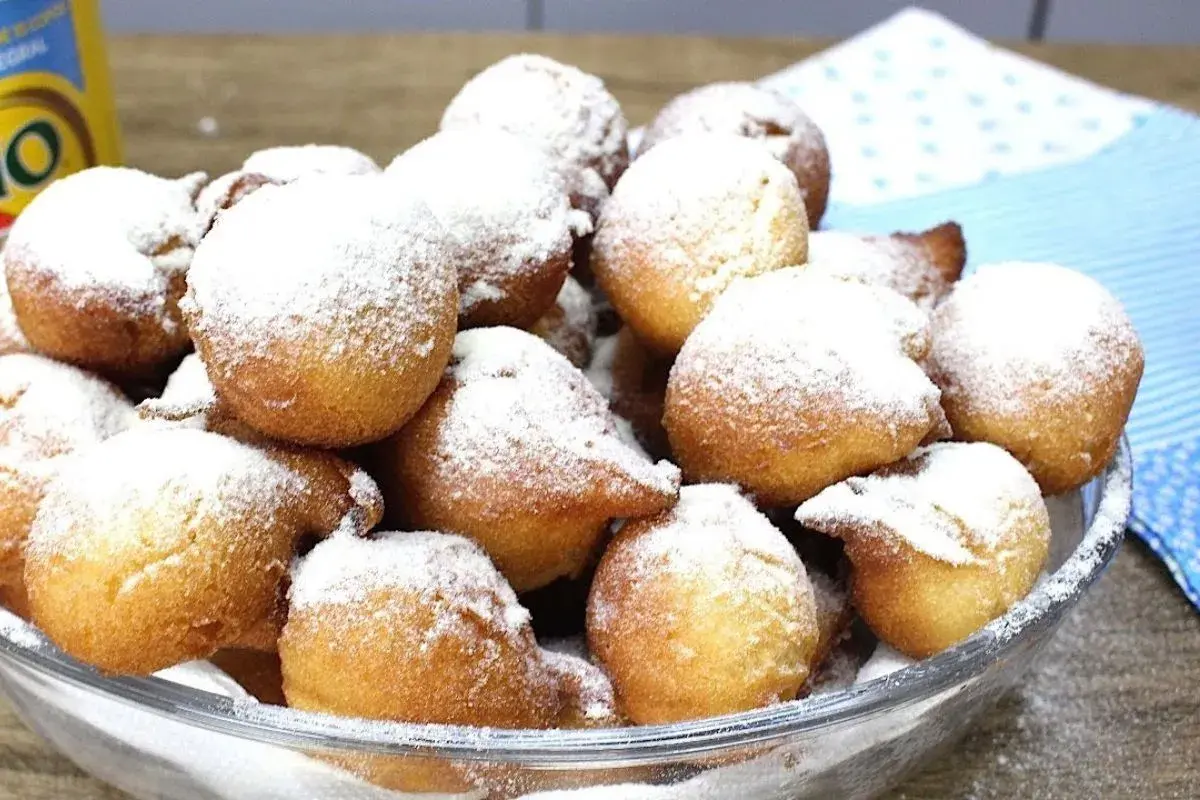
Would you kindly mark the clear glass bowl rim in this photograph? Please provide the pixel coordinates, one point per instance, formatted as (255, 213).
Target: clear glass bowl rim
(299, 730)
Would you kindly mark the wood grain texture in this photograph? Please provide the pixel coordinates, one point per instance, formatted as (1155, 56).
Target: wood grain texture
(1111, 711)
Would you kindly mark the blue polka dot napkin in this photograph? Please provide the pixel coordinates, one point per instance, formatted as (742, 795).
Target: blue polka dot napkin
(927, 122)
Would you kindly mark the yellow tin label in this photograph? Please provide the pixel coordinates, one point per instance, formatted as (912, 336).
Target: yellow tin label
(56, 108)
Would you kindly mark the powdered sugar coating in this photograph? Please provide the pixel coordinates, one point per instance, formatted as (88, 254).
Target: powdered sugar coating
(226, 191)
(345, 266)
(288, 163)
(899, 264)
(787, 340)
(584, 687)
(217, 477)
(131, 233)
(189, 386)
(564, 110)
(48, 409)
(570, 326)
(515, 396)
(502, 202)
(1051, 332)
(961, 503)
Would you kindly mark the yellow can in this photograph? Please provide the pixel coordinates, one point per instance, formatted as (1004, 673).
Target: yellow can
(56, 105)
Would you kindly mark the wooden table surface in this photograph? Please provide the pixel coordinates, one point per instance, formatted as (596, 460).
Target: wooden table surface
(1112, 711)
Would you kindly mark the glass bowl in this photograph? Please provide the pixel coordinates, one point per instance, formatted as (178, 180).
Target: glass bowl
(158, 739)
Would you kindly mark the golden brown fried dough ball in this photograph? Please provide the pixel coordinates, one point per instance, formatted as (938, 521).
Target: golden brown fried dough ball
(324, 310)
(47, 412)
(12, 338)
(921, 266)
(565, 111)
(1042, 361)
(688, 218)
(570, 324)
(105, 296)
(507, 216)
(755, 112)
(586, 695)
(835, 612)
(794, 382)
(702, 610)
(164, 545)
(414, 627)
(516, 450)
(941, 543)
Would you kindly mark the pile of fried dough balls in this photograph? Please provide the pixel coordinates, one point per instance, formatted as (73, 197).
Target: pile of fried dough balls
(325, 350)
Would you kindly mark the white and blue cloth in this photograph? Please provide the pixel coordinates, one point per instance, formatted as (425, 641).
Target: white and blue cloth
(927, 122)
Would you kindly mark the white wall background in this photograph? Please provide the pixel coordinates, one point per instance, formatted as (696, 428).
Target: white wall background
(1144, 21)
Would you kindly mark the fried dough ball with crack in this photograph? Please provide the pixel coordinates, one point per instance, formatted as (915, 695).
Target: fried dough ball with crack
(940, 543)
(48, 411)
(794, 382)
(758, 113)
(688, 218)
(570, 324)
(508, 218)
(105, 296)
(564, 110)
(177, 542)
(516, 450)
(333, 337)
(413, 627)
(702, 610)
(921, 266)
(1040, 360)
(227, 191)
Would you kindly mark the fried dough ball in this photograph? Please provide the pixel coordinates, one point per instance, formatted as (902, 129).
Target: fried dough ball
(564, 110)
(507, 215)
(516, 450)
(834, 612)
(413, 627)
(12, 338)
(48, 411)
(105, 296)
(941, 543)
(227, 191)
(688, 218)
(1042, 361)
(586, 695)
(921, 266)
(702, 610)
(570, 324)
(794, 382)
(177, 542)
(325, 309)
(755, 112)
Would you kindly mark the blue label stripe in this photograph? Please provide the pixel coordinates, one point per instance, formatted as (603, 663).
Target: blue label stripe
(1130, 217)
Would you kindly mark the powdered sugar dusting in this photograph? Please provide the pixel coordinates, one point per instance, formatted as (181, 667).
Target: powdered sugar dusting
(288, 163)
(701, 210)
(189, 384)
(584, 686)
(514, 396)
(217, 477)
(49, 409)
(788, 340)
(564, 110)
(570, 326)
(345, 264)
(883, 662)
(953, 501)
(900, 264)
(226, 191)
(514, 218)
(1051, 331)
(131, 232)
(446, 573)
